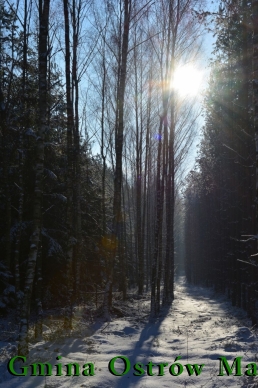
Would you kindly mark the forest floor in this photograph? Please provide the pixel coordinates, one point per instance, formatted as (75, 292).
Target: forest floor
(200, 326)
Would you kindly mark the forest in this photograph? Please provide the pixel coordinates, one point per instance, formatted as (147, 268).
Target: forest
(128, 162)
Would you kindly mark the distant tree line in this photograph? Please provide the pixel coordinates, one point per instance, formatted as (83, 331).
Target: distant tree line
(220, 196)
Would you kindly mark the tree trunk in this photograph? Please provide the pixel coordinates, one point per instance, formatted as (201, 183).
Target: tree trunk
(158, 224)
(77, 153)
(255, 118)
(119, 133)
(23, 347)
(70, 157)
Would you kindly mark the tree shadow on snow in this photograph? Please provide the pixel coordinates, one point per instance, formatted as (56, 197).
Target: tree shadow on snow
(142, 352)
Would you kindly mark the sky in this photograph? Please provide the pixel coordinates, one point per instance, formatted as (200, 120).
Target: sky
(203, 66)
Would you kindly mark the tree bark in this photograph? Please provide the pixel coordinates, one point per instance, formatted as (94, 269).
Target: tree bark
(255, 118)
(119, 134)
(69, 182)
(23, 347)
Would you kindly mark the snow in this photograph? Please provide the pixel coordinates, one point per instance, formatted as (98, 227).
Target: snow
(200, 326)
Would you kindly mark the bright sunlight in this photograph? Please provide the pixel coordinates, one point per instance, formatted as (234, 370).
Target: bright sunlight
(187, 81)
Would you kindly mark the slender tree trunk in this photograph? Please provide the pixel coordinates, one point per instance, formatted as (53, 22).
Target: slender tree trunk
(19, 230)
(21, 167)
(158, 224)
(38, 294)
(168, 294)
(70, 158)
(255, 118)
(146, 171)
(160, 252)
(103, 155)
(123, 254)
(77, 152)
(119, 134)
(23, 347)
(138, 181)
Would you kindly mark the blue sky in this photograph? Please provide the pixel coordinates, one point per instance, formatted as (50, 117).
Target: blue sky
(208, 42)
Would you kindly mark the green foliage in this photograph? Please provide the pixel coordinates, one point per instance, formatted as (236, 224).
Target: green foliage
(19, 87)
(220, 192)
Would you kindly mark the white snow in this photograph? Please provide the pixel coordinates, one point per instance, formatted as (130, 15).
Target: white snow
(200, 326)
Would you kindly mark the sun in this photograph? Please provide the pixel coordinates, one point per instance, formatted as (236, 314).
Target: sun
(187, 81)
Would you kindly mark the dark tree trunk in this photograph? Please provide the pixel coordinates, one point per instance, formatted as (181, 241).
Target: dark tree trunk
(37, 216)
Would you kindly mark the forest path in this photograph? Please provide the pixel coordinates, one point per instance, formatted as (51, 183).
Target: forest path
(200, 326)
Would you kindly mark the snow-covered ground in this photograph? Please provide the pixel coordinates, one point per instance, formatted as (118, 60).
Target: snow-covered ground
(200, 327)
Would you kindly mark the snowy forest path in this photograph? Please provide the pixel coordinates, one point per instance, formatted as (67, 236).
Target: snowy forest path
(200, 326)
